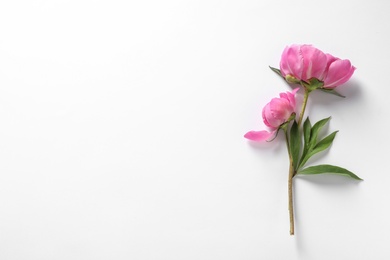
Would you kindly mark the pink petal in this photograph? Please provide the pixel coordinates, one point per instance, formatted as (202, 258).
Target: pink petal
(290, 96)
(330, 59)
(283, 95)
(266, 113)
(314, 62)
(291, 62)
(259, 136)
(340, 71)
(269, 117)
(278, 110)
(281, 110)
(294, 91)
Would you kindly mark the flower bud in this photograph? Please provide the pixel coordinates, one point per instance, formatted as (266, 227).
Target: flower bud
(277, 112)
(292, 79)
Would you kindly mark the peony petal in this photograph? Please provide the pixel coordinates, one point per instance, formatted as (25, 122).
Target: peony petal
(330, 59)
(266, 113)
(314, 62)
(283, 95)
(291, 62)
(291, 97)
(259, 136)
(284, 69)
(281, 110)
(269, 118)
(294, 91)
(340, 71)
(278, 110)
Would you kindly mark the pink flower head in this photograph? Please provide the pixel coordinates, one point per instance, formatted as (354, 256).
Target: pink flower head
(275, 113)
(305, 62)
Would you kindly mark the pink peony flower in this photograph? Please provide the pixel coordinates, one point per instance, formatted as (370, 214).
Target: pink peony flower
(275, 113)
(304, 62)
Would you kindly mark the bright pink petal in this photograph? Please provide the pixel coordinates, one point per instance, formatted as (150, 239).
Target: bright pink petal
(340, 71)
(284, 69)
(281, 110)
(294, 91)
(330, 59)
(290, 96)
(266, 113)
(269, 118)
(283, 95)
(314, 62)
(291, 62)
(278, 110)
(259, 136)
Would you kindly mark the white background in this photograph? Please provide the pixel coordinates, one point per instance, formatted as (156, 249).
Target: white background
(122, 123)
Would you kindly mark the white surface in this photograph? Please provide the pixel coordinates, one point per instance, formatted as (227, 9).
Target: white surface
(122, 129)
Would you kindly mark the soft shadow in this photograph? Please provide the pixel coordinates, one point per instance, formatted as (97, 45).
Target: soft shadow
(298, 235)
(352, 91)
(323, 180)
(274, 146)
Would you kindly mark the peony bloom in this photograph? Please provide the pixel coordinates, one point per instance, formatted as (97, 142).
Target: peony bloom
(304, 62)
(275, 113)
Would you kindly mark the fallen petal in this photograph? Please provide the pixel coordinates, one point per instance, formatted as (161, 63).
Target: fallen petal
(259, 136)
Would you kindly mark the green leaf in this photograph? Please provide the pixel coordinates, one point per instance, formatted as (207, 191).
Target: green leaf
(319, 147)
(324, 143)
(277, 71)
(315, 130)
(326, 168)
(331, 91)
(295, 144)
(306, 132)
(306, 137)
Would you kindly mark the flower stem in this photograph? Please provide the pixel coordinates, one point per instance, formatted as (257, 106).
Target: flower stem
(290, 198)
(290, 186)
(305, 98)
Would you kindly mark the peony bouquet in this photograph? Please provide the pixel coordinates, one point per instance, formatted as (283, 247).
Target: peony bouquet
(311, 69)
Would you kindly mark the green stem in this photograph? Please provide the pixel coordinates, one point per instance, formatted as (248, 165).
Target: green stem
(305, 98)
(290, 186)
